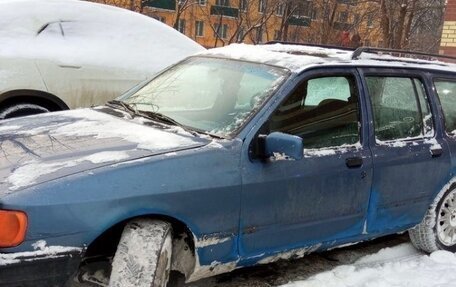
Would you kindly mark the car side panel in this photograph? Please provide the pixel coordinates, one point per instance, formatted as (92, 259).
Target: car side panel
(19, 74)
(83, 85)
(199, 187)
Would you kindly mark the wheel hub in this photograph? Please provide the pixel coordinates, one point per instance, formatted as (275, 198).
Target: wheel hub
(446, 220)
(453, 219)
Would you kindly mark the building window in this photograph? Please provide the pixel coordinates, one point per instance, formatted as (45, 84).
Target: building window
(314, 15)
(221, 31)
(261, 6)
(277, 35)
(202, 2)
(304, 9)
(181, 26)
(280, 10)
(243, 4)
(225, 3)
(343, 17)
(199, 30)
(240, 35)
(357, 19)
(160, 18)
(259, 35)
(370, 20)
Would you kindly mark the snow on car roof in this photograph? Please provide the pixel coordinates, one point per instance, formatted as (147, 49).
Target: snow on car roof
(299, 57)
(90, 33)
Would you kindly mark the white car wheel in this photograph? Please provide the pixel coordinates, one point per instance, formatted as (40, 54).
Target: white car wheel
(143, 256)
(21, 109)
(437, 231)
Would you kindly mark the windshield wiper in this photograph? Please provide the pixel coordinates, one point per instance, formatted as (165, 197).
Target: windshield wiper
(158, 117)
(167, 120)
(126, 107)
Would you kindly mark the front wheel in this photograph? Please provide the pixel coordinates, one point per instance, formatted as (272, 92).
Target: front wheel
(437, 231)
(21, 110)
(143, 256)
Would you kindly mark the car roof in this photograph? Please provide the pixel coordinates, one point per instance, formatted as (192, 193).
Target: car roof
(97, 34)
(298, 58)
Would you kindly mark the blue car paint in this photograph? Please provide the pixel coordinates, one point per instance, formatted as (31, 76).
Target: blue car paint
(209, 178)
(298, 208)
(398, 201)
(220, 191)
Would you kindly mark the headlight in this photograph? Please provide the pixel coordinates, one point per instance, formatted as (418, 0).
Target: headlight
(13, 226)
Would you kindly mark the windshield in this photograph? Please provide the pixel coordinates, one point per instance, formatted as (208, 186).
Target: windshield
(213, 95)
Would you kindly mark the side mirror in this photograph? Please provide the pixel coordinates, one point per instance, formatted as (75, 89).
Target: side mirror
(282, 144)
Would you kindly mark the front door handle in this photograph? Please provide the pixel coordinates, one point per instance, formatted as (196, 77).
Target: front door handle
(436, 152)
(70, 66)
(354, 162)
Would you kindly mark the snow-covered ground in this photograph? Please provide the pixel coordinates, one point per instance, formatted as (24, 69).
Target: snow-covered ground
(391, 262)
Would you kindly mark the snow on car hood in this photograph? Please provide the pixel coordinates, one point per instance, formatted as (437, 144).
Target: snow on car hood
(44, 147)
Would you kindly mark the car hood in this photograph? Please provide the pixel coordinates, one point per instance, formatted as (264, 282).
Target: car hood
(40, 148)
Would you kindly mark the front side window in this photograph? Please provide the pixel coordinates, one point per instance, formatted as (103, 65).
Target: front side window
(446, 91)
(400, 108)
(323, 111)
(208, 94)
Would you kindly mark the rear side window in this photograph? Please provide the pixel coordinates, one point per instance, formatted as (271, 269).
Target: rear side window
(446, 91)
(323, 111)
(400, 106)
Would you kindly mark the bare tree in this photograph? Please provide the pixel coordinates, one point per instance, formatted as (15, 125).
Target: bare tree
(181, 7)
(406, 23)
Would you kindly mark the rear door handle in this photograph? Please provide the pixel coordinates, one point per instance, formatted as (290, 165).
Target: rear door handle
(354, 162)
(436, 152)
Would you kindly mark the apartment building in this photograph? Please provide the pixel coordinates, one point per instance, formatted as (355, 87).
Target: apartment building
(214, 23)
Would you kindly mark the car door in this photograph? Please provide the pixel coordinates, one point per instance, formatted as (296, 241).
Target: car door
(79, 70)
(288, 204)
(411, 159)
(445, 87)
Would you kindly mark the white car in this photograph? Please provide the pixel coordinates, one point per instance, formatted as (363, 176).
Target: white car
(64, 54)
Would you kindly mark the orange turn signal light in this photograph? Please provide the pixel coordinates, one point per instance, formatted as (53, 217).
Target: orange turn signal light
(13, 226)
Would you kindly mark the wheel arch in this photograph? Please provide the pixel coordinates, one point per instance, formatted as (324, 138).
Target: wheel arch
(105, 244)
(43, 98)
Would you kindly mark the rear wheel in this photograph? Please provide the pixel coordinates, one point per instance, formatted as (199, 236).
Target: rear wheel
(143, 256)
(21, 109)
(437, 231)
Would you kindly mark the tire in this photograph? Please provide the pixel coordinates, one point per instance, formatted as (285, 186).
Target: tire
(21, 110)
(437, 231)
(143, 256)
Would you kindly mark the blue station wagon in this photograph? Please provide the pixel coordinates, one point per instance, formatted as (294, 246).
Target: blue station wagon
(238, 156)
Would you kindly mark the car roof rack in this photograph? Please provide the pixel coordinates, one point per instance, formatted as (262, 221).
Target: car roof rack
(394, 52)
(358, 51)
(310, 45)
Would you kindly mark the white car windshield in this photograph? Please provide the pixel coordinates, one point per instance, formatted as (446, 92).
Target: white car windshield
(213, 95)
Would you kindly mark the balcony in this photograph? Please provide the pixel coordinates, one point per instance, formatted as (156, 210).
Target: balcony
(348, 2)
(161, 4)
(303, 21)
(225, 11)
